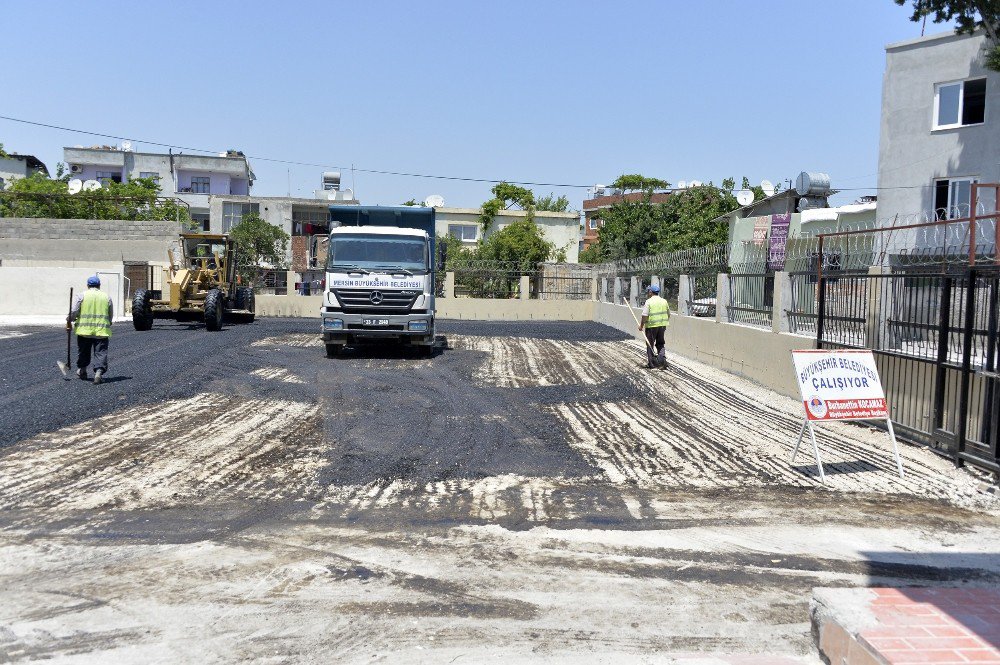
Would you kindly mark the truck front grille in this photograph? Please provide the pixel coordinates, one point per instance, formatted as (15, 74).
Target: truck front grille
(390, 301)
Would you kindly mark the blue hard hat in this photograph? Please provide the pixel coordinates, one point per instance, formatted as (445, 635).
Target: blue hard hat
(653, 288)
(93, 280)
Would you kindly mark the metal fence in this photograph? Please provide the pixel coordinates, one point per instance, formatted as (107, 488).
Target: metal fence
(490, 279)
(751, 299)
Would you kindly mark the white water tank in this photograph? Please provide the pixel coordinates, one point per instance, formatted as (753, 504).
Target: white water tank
(812, 184)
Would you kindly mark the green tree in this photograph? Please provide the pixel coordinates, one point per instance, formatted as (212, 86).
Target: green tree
(411, 202)
(259, 246)
(519, 243)
(3, 153)
(639, 183)
(552, 204)
(37, 195)
(506, 195)
(969, 16)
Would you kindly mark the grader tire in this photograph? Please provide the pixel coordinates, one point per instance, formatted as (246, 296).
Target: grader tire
(245, 299)
(214, 306)
(142, 310)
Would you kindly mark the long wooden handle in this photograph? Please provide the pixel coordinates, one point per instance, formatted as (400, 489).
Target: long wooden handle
(634, 318)
(69, 326)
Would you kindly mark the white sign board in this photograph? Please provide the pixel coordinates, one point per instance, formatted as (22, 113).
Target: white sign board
(840, 385)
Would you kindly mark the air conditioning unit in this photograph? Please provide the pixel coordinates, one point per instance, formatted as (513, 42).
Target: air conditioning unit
(75, 168)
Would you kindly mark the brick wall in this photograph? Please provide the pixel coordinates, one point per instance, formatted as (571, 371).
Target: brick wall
(21, 228)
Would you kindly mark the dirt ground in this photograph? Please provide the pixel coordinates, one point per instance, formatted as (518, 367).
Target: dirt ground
(529, 493)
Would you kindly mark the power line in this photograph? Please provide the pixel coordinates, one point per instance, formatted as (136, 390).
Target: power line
(292, 162)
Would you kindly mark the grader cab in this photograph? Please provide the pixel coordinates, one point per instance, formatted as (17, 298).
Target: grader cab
(201, 283)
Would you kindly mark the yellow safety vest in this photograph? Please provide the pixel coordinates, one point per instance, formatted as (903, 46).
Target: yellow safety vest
(659, 312)
(93, 320)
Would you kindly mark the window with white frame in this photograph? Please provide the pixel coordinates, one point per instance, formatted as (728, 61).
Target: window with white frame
(952, 197)
(595, 223)
(232, 213)
(200, 184)
(104, 177)
(152, 175)
(464, 232)
(959, 103)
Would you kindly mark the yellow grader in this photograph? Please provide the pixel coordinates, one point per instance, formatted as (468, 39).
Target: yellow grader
(200, 283)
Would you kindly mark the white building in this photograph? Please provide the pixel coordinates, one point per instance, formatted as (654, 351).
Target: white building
(562, 229)
(190, 178)
(14, 167)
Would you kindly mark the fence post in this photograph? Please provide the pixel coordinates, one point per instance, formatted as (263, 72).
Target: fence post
(618, 290)
(781, 303)
(683, 295)
(722, 298)
(879, 306)
(449, 285)
(633, 292)
(525, 290)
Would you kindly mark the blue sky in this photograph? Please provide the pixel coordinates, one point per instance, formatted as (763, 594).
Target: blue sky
(554, 92)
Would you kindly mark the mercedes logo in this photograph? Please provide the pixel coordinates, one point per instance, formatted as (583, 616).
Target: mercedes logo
(376, 297)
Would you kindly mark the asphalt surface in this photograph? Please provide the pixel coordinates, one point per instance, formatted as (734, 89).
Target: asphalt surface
(528, 493)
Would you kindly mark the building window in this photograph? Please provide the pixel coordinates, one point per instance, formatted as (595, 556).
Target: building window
(309, 221)
(952, 197)
(152, 175)
(464, 232)
(960, 103)
(200, 184)
(109, 176)
(232, 213)
(595, 223)
(201, 220)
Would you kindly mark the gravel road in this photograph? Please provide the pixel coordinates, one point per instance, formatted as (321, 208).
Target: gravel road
(528, 493)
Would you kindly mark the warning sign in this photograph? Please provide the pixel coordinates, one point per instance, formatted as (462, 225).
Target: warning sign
(840, 385)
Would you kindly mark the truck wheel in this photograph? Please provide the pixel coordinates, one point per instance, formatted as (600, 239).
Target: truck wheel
(142, 310)
(214, 304)
(333, 350)
(245, 299)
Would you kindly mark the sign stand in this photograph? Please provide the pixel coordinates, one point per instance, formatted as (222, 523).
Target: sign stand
(819, 464)
(840, 385)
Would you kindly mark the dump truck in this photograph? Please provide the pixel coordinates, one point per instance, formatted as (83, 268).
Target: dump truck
(379, 277)
(200, 283)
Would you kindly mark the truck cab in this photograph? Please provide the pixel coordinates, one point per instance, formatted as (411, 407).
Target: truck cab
(379, 278)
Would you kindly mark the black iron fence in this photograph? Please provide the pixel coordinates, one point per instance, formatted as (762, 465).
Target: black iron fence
(751, 299)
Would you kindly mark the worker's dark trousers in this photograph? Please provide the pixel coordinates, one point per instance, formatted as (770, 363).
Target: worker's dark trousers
(92, 346)
(655, 338)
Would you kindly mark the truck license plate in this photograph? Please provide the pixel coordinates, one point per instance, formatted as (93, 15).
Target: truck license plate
(375, 322)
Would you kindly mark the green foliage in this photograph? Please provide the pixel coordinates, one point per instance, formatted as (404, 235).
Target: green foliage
(639, 183)
(259, 245)
(39, 196)
(520, 243)
(411, 202)
(3, 153)
(506, 195)
(552, 204)
(687, 219)
(455, 250)
(968, 15)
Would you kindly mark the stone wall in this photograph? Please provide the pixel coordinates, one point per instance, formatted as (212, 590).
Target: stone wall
(25, 228)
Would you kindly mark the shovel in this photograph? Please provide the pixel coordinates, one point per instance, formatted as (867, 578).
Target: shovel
(64, 366)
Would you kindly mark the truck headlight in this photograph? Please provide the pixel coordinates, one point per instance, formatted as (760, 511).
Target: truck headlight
(418, 326)
(333, 324)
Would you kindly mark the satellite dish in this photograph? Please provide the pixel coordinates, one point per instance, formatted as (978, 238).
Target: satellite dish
(744, 197)
(434, 201)
(768, 187)
(694, 183)
(91, 185)
(126, 146)
(682, 185)
(74, 186)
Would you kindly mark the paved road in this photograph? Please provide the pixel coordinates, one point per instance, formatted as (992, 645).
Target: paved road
(528, 493)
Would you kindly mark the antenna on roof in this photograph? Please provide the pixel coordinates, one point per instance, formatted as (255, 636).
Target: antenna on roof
(74, 186)
(91, 185)
(744, 197)
(768, 187)
(434, 201)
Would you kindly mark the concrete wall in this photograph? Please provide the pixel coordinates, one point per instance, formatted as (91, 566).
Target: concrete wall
(911, 152)
(449, 308)
(83, 242)
(45, 291)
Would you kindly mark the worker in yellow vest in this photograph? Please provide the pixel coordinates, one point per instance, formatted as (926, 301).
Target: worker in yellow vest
(93, 313)
(655, 319)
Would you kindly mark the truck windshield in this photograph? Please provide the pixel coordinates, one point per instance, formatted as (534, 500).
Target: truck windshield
(377, 252)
